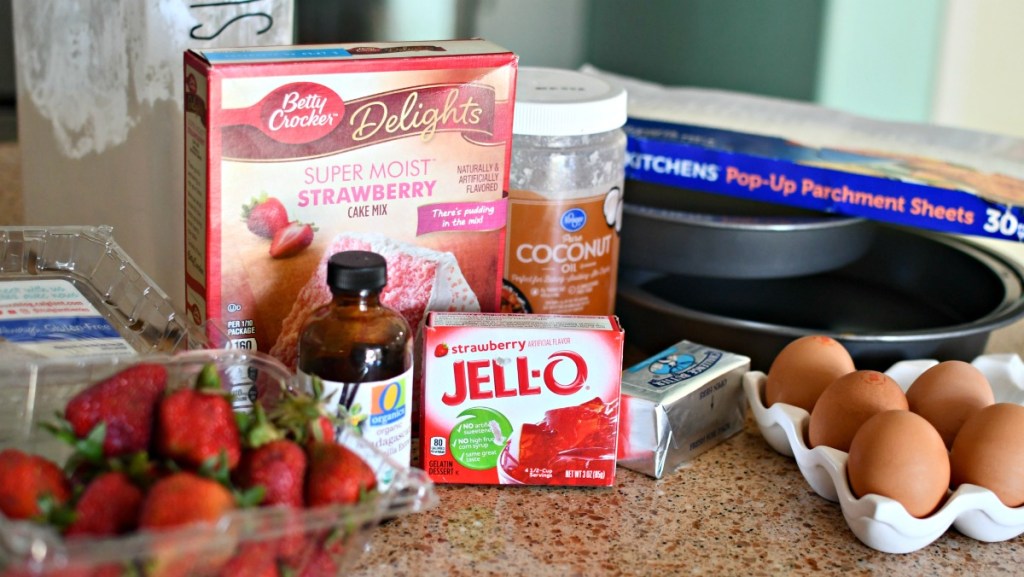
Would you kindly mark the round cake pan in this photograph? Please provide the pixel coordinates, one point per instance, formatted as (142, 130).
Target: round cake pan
(700, 234)
(910, 295)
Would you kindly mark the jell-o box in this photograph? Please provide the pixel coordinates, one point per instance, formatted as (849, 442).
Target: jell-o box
(521, 399)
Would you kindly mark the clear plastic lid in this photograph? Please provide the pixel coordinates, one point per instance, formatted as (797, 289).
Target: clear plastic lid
(556, 102)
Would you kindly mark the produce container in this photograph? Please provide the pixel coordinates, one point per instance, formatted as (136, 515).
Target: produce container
(31, 392)
(72, 291)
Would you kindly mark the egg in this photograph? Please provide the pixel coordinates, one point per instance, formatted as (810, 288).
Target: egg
(947, 393)
(802, 370)
(988, 452)
(849, 401)
(900, 455)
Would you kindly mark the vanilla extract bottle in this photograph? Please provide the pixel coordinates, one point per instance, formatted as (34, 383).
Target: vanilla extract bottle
(362, 350)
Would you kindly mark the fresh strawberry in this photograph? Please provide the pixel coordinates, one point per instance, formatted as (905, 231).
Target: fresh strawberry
(279, 467)
(291, 240)
(296, 542)
(321, 563)
(26, 480)
(336, 475)
(270, 461)
(182, 498)
(196, 426)
(124, 404)
(109, 506)
(264, 216)
(253, 559)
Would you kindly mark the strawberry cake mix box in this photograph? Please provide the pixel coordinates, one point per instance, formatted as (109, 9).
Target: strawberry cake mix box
(294, 153)
(517, 399)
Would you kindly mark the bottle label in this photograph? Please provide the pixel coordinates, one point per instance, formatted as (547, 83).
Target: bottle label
(563, 254)
(380, 411)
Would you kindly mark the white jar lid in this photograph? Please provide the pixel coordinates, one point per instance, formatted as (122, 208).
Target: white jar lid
(556, 102)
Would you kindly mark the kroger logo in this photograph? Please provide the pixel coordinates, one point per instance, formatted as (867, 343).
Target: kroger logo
(573, 219)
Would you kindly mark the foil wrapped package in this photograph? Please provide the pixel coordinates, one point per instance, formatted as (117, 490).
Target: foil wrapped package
(678, 404)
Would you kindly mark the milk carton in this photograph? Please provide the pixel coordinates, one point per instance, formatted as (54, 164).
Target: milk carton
(520, 399)
(298, 152)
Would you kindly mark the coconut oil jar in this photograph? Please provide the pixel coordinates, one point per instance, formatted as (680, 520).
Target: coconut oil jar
(565, 193)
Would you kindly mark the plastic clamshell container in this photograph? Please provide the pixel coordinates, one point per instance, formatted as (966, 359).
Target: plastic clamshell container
(880, 522)
(99, 278)
(31, 392)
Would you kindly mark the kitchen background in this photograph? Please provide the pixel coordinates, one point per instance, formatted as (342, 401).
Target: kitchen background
(951, 62)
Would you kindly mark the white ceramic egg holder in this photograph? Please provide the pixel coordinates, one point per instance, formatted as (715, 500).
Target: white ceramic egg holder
(880, 522)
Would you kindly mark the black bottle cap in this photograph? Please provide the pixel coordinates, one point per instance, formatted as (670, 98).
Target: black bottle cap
(356, 270)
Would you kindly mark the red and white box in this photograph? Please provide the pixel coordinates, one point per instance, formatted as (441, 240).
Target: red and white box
(401, 149)
(517, 399)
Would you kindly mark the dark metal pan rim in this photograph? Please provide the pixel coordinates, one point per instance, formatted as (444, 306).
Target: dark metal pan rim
(1010, 309)
(743, 223)
(995, 320)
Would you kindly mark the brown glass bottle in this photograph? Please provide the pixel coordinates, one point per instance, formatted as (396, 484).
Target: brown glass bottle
(363, 352)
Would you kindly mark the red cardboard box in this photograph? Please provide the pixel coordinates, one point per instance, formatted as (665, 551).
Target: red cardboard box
(521, 399)
(402, 149)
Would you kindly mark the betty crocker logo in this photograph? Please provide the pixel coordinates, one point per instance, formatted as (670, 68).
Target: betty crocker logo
(301, 112)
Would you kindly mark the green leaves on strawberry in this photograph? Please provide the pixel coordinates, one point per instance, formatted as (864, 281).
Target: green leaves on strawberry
(304, 416)
(196, 425)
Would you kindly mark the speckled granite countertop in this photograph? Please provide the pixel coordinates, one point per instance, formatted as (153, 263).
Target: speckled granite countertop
(739, 509)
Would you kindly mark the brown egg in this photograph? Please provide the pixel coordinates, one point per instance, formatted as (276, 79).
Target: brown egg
(989, 452)
(802, 370)
(848, 402)
(947, 393)
(900, 455)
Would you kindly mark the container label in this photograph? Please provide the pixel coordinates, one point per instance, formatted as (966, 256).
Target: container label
(379, 410)
(52, 318)
(907, 191)
(562, 255)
